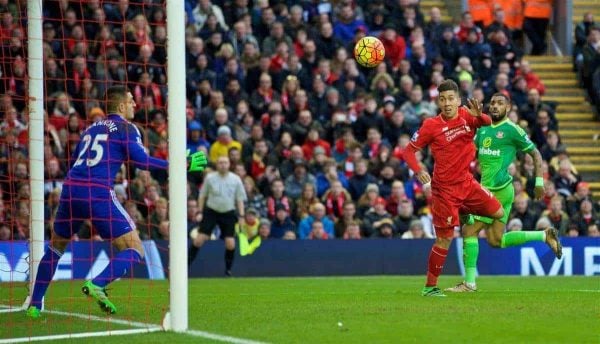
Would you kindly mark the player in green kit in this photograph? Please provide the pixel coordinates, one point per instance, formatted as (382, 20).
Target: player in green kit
(497, 146)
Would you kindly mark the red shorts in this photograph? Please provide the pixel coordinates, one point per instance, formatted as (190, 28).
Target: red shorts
(468, 197)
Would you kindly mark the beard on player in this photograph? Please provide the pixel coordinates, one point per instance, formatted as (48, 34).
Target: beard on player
(498, 109)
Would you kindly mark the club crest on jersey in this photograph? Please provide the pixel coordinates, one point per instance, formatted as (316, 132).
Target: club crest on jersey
(500, 134)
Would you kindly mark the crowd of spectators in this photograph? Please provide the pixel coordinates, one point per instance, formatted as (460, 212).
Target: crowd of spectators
(317, 140)
(586, 58)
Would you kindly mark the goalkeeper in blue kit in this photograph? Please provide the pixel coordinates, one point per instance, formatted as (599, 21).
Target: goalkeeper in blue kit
(497, 146)
(87, 194)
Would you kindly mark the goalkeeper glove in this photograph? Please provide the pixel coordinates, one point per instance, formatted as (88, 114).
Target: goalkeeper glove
(197, 161)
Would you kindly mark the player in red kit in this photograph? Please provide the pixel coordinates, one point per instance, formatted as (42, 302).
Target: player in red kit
(450, 137)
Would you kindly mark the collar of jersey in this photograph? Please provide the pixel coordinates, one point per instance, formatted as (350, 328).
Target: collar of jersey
(499, 124)
(114, 115)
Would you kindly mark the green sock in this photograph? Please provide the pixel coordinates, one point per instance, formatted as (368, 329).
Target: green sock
(254, 244)
(470, 254)
(519, 238)
(244, 246)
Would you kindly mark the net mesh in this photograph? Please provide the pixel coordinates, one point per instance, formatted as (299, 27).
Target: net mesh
(88, 46)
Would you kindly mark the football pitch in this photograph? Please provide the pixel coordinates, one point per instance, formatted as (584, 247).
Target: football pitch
(382, 309)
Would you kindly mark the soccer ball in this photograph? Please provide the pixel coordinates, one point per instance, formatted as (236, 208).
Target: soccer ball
(369, 52)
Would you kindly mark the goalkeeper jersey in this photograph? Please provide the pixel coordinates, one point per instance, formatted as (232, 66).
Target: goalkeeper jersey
(497, 146)
(104, 147)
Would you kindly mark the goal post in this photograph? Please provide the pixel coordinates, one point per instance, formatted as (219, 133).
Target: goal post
(177, 318)
(36, 136)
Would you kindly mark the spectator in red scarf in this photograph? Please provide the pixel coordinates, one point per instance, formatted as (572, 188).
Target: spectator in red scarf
(288, 91)
(147, 87)
(77, 74)
(334, 200)
(355, 153)
(62, 110)
(327, 75)
(261, 157)
(263, 95)
(282, 53)
(158, 128)
(373, 144)
(277, 198)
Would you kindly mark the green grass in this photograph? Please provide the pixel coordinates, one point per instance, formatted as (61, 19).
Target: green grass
(307, 310)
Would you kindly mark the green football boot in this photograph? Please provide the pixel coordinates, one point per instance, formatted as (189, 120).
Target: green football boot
(33, 312)
(100, 295)
(432, 291)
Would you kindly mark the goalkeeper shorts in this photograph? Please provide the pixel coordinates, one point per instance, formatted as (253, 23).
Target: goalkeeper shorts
(80, 202)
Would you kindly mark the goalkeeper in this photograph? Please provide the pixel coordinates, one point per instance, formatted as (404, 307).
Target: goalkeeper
(87, 194)
(497, 146)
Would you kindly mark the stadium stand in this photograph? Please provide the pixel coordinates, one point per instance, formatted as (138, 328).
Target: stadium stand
(277, 89)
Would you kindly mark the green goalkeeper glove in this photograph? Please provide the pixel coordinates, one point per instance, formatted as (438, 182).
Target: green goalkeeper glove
(197, 161)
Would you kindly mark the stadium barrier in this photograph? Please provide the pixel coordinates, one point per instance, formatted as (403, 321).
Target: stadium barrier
(581, 256)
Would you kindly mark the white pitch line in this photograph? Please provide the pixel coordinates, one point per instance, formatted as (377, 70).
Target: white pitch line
(94, 318)
(10, 310)
(143, 327)
(81, 335)
(102, 319)
(221, 338)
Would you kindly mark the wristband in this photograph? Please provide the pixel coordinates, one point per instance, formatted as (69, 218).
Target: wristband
(539, 181)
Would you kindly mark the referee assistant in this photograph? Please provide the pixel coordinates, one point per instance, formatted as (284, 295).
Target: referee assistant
(221, 193)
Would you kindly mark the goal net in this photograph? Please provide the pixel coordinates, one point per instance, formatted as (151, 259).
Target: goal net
(84, 47)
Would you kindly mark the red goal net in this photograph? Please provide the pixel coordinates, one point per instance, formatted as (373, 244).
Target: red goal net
(88, 46)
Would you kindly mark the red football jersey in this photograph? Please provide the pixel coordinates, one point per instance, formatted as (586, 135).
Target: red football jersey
(451, 144)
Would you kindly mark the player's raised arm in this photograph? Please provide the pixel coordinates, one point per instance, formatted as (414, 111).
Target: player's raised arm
(475, 109)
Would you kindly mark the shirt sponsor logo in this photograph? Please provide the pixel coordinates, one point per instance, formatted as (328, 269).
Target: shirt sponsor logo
(487, 151)
(454, 132)
(415, 136)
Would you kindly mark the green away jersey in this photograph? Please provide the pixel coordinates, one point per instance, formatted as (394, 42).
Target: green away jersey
(497, 146)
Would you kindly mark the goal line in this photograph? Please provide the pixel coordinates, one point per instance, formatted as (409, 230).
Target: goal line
(81, 335)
